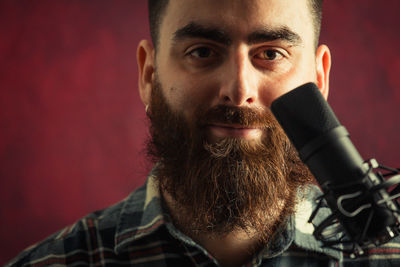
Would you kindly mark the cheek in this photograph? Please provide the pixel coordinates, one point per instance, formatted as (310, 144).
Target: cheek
(185, 90)
(278, 84)
(186, 93)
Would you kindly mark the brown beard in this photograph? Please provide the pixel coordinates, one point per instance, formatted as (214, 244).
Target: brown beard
(228, 185)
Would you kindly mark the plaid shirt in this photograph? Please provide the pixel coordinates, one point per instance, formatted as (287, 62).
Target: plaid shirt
(136, 232)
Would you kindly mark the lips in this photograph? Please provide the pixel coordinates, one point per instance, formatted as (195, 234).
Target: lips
(234, 131)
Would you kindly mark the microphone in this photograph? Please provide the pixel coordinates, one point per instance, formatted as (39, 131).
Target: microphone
(364, 212)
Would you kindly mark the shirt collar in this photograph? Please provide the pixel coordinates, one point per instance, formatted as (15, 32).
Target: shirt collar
(141, 215)
(303, 230)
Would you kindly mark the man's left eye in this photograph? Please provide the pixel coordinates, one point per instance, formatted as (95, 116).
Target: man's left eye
(269, 54)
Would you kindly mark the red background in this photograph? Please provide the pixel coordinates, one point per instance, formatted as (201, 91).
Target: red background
(72, 126)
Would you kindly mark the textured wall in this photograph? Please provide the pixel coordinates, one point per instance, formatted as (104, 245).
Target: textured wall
(72, 126)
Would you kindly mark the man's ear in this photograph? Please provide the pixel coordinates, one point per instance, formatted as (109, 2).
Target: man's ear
(323, 63)
(145, 61)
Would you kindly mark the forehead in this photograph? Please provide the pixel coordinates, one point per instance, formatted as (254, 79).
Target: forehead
(238, 18)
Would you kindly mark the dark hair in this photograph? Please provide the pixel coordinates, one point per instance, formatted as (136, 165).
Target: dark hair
(315, 7)
(157, 11)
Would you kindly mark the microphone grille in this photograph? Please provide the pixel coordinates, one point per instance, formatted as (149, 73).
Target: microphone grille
(304, 114)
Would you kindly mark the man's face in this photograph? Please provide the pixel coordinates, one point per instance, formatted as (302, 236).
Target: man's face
(236, 53)
(222, 156)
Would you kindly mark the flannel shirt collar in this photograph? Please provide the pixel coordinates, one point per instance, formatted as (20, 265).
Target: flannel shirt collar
(142, 214)
(303, 230)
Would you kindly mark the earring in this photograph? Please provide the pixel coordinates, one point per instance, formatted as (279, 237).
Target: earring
(146, 109)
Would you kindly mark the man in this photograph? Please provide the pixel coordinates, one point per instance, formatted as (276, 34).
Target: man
(227, 188)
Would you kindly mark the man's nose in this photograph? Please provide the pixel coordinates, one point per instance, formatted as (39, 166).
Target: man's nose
(239, 86)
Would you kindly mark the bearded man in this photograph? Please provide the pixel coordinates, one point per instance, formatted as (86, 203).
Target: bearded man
(227, 187)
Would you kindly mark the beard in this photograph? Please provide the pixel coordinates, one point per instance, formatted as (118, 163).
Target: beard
(228, 185)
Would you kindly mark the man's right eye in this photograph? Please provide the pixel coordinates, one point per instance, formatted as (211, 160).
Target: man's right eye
(203, 56)
(201, 52)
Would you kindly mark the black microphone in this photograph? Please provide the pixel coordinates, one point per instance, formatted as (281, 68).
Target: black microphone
(366, 212)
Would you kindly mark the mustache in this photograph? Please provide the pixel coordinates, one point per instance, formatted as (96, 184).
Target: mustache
(244, 116)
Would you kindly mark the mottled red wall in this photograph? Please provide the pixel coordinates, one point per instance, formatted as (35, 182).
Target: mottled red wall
(72, 126)
(364, 36)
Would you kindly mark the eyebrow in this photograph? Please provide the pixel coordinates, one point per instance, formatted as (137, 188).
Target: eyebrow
(194, 30)
(266, 34)
(281, 33)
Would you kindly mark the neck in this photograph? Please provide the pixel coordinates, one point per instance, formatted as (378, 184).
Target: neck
(234, 248)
